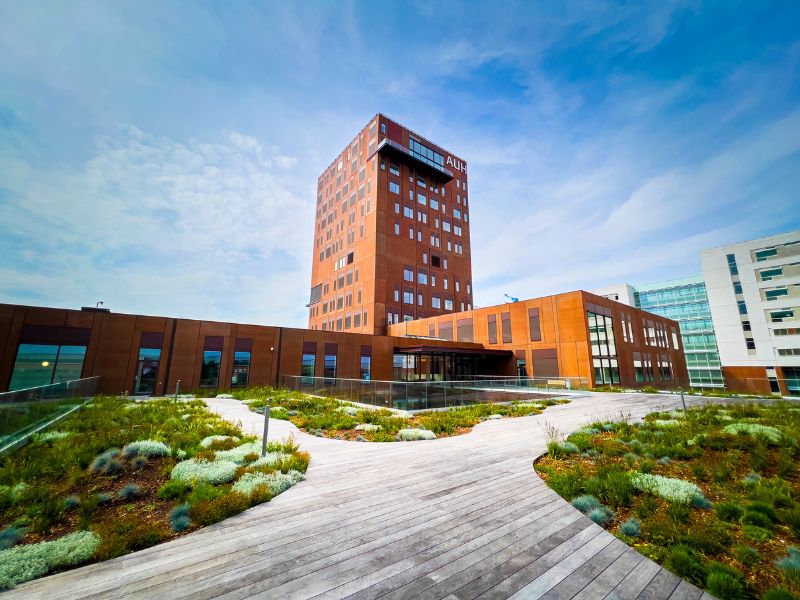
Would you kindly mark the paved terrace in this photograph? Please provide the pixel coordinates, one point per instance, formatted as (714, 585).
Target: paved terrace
(455, 518)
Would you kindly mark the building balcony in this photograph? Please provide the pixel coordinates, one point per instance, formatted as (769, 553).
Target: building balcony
(391, 148)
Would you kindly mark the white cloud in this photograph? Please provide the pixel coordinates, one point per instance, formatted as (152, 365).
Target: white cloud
(151, 224)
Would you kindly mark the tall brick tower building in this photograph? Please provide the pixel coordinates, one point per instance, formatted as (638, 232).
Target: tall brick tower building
(391, 234)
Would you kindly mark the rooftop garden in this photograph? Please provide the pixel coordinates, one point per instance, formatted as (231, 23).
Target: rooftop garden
(328, 417)
(119, 476)
(711, 494)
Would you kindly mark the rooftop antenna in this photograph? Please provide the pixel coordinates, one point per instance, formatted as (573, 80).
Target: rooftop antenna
(99, 304)
(511, 298)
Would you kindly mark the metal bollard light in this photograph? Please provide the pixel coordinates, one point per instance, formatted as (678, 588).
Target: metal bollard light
(266, 428)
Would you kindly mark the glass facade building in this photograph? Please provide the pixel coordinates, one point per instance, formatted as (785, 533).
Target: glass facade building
(685, 301)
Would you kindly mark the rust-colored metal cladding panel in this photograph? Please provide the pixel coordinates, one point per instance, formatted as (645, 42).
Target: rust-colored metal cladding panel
(551, 336)
(752, 380)
(391, 233)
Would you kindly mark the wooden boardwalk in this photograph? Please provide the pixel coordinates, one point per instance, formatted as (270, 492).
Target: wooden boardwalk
(456, 518)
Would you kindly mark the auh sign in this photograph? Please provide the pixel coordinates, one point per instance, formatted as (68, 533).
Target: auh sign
(457, 164)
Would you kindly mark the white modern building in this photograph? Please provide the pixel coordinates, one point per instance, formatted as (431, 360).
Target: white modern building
(753, 290)
(621, 292)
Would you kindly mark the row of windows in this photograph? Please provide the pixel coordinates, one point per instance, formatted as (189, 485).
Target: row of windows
(344, 322)
(309, 362)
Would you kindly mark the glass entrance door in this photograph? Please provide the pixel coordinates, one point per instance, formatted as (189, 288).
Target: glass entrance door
(147, 371)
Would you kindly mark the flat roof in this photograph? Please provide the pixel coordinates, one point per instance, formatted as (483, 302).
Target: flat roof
(444, 350)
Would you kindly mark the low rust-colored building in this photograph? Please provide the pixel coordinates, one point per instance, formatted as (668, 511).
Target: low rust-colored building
(575, 335)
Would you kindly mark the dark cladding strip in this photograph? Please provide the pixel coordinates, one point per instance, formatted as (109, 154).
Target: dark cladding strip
(151, 339)
(309, 347)
(244, 345)
(214, 342)
(42, 334)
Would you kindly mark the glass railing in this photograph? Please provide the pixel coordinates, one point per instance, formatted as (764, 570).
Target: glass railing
(24, 412)
(427, 395)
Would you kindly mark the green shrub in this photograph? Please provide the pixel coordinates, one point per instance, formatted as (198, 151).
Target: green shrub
(722, 472)
(23, 563)
(203, 492)
(71, 502)
(224, 442)
(219, 508)
(755, 533)
(88, 508)
(708, 538)
(126, 535)
(747, 555)
(618, 488)
(678, 512)
(174, 490)
(764, 509)
(646, 507)
(585, 503)
(729, 511)
(684, 563)
(725, 587)
(567, 484)
(631, 528)
(774, 492)
(582, 440)
(791, 517)
(45, 512)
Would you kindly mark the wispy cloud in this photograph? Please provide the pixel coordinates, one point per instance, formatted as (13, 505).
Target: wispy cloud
(164, 158)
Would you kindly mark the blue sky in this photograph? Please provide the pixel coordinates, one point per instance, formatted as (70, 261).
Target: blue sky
(162, 156)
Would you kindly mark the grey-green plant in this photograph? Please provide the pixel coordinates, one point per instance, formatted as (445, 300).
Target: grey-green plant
(601, 515)
(129, 491)
(148, 448)
(585, 503)
(214, 472)
(23, 563)
(631, 528)
(414, 434)
(276, 482)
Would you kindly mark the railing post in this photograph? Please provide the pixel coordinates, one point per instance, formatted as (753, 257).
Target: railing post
(266, 428)
(177, 389)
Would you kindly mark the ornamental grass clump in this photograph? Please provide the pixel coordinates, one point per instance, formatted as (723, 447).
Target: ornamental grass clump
(11, 536)
(412, 434)
(601, 515)
(107, 463)
(585, 503)
(146, 448)
(130, 492)
(214, 472)
(789, 566)
(631, 528)
(23, 563)
(672, 490)
(179, 518)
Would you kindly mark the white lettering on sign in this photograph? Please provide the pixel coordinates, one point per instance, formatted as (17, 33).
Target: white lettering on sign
(457, 164)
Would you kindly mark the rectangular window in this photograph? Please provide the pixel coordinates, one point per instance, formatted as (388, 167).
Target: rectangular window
(308, 366)
(446, 331)
(422, 199)
(330, 366)
(446, 226)
(408, 297)
(394, 170)
(732, 264)
(436, 302)
(241, 369)
(492, 322)
(209, 372)
(464, 330)
(776, 293)
(397, 228)
(533, 324)
(408, 274)
(366, 368)
(434, 204)
(766, 254)
(742, 307)
(394, 187)
(505, 325)
(422, 277)
(43, 364)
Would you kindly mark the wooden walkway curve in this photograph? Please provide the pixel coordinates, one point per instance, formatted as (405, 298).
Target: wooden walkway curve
(456, 518)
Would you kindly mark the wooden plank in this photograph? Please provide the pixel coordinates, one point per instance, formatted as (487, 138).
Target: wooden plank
(661, 587)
